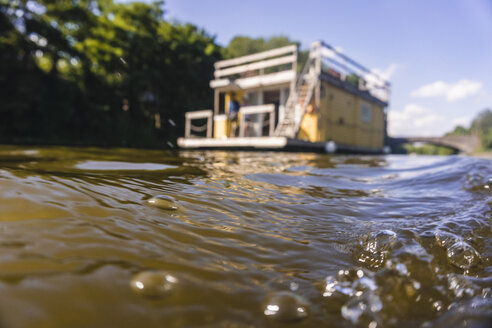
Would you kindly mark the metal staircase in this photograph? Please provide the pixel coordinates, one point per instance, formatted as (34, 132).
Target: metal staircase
(301, 94)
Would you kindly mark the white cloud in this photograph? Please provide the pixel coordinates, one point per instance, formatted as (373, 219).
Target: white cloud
(463, 89)
(415, 120)
(435, 89)
(388, 72)
(377, 78)
(452, 92)
(464, 121)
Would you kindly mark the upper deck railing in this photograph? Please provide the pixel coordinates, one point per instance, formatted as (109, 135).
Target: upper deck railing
(338, 65)
(280, 60)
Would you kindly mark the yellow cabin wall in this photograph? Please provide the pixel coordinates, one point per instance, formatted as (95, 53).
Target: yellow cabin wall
(340, 115)
(222, 127)
(308, 130)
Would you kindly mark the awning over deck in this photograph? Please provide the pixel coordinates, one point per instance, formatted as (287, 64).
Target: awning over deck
(279, 78)
(267, 68)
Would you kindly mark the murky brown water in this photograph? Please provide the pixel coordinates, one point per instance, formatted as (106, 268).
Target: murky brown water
(132, 238)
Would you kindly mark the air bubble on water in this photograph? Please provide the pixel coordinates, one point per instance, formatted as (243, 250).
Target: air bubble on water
(379, 241)
(367, 306)
(331, 286)
(461, 287)
(475, 312)
(353, 310)
(463, 255)
(153, 284)
(376, 247)
(445, 239)
(163, 202)
(349, 283)
(294, 286)
(367, 283)
(401, 268)
(352, 274)
(437, 305)
(286, 306)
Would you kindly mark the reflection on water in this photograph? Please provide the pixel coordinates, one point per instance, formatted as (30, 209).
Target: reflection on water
(133, 238)
(121, 166)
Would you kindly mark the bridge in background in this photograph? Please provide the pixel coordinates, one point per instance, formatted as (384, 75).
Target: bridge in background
(461, 143)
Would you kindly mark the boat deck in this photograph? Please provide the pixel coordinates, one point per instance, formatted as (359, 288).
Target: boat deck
(271, 143)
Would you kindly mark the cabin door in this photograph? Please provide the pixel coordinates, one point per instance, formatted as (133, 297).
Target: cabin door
(272, 97)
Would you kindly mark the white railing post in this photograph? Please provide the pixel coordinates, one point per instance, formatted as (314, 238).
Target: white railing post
(209, 125)
(189, 116)
(252, 110)
(187, 127)
(242, 124)
(272, 123)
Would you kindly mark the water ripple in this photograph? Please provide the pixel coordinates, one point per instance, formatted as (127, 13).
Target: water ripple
(248, 239)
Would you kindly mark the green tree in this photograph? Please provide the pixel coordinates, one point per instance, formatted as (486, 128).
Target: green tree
(459, 130)
(483, 121)
(99, 72)
(243, 45)
(482, 124)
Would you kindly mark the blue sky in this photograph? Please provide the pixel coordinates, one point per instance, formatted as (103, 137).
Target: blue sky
(436, 53)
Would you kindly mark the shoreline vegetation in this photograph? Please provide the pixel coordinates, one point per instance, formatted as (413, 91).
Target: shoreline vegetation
(481, 126)
(101, 73)
(110, 74)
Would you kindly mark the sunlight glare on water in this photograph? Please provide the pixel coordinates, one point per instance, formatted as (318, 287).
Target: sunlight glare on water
(121, 166)
(140, 238)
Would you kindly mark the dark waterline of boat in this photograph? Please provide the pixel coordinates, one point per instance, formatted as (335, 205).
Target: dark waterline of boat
(134, 238)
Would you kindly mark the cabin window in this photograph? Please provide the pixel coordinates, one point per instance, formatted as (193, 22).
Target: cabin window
(254, 98)
(366, 113)
(271, 97)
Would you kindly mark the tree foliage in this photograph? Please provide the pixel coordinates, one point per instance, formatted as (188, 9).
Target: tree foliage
(243, 45)
(103, 72)
(99, 72)
(481, 125)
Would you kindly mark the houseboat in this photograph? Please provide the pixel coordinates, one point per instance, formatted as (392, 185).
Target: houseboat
(266, 101)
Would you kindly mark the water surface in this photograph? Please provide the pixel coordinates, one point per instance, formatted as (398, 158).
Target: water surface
(134, 238)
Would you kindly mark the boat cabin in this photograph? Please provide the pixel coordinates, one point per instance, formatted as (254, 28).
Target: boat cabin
(269, 100)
